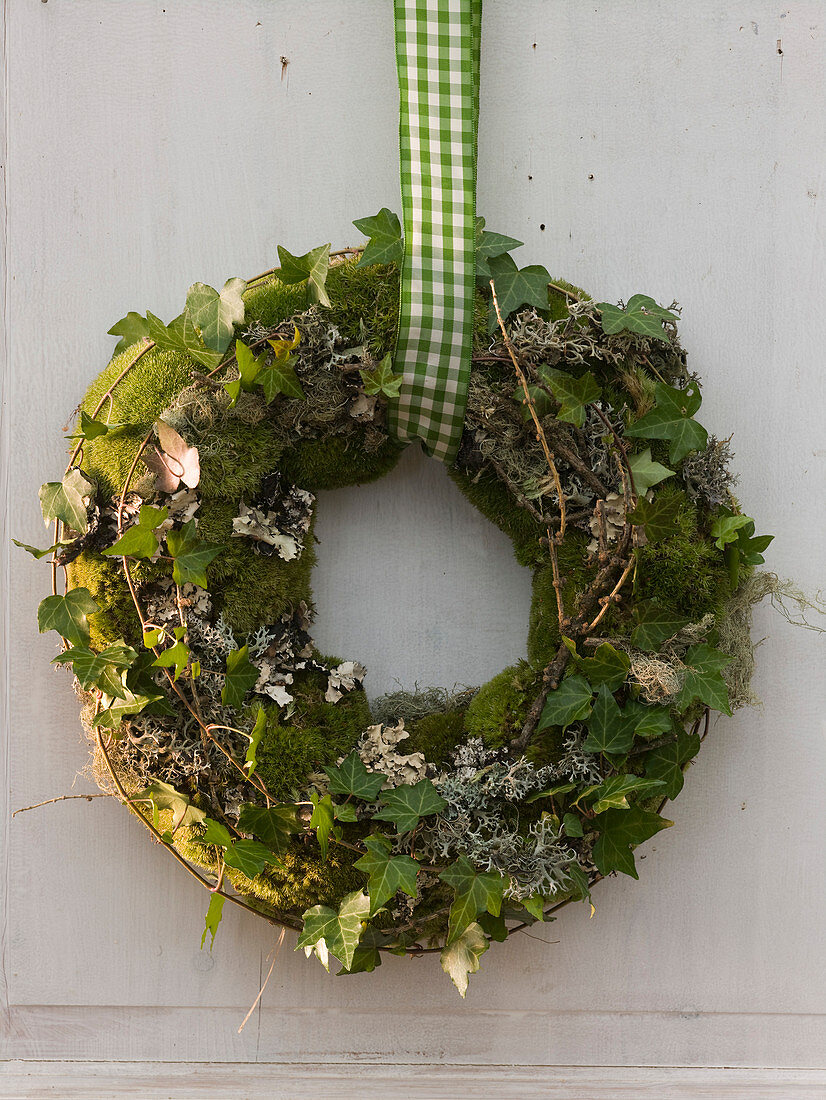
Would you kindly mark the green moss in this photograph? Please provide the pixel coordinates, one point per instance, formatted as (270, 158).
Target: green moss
(437, 735)
(146, 390)
(499, 709)
(337, 461)
(318, 733)
(493, 500)
(369, 295)
(138, 399)
(234, 459)
(248, 587)
(686, 573)
(105, 580)
(270, 302)
(546, 747)
(307, 880)
(302, 881)
(558, 302)
(543, 626)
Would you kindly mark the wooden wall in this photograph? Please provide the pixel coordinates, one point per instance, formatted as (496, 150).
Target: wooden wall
(634, 145)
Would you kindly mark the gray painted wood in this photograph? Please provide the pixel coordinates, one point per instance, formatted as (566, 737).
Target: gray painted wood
(403, 1082)
(151, 145)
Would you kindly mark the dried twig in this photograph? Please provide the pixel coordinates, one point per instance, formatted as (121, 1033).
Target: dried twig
(540, 434)
(59, 798)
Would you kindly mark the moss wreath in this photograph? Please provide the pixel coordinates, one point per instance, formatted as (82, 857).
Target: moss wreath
(436, 821)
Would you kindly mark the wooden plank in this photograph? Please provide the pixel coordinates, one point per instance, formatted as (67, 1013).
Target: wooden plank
(459, 1035)
(5, 534)
(278, 1081)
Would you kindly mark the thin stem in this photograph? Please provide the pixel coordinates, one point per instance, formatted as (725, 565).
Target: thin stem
(606, 601)
(59, 798)
(540, 434)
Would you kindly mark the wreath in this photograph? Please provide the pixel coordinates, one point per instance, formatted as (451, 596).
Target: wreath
(431, 821)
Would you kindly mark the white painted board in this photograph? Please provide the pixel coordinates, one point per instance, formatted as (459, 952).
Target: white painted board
(635, 145)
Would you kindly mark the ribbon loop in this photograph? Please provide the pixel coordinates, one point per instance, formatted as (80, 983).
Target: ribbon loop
(437, 56)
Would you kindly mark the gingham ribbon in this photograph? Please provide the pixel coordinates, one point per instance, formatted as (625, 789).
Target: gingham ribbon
(437, 56)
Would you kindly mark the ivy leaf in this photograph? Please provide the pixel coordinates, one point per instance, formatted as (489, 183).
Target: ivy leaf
(216, 834)
(312, 267)
(608, 665)
(90, 428)
(215, 911)
(255, 740)
(340, 931)
(250, 857)
(280, 377)
(405, 806)
(541, 402)
(102, 669)
(182, 335)
(535, 905)
(704, 679)
(385, 244)
(619, 832)
(476, 892)
(608, 731)
(642, 315)
(192, 554)
(175, 462)
(726, 526)
(216, 313)
(249, 367)
(381, 379)
(667, 761)
(273, 825)
(161, 336)
(67, 615)
(127, 701)
(552, 792)
(573, 394)
(460, 958)
(488, 247)
(645, 472)
(346, 812)
(367, 956)
(751, 548)
(140, 540)
(652, 721)
(176, 656)
(579, 880)
(494, 928)
(570, 702)
(351, 777)
(388, 873)
(36, 552)
(67, 500)
(162, 796)
(322, 821)
(515, 288)
(572, 825)
(241, 677)
(671, 419)
(657, 517)
(131, 329)
(655, 625)
(612, 794)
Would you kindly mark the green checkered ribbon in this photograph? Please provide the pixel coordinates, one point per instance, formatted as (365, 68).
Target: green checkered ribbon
(437, 56)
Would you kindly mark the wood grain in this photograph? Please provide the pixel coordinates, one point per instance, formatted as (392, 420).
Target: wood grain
(276, 1081)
